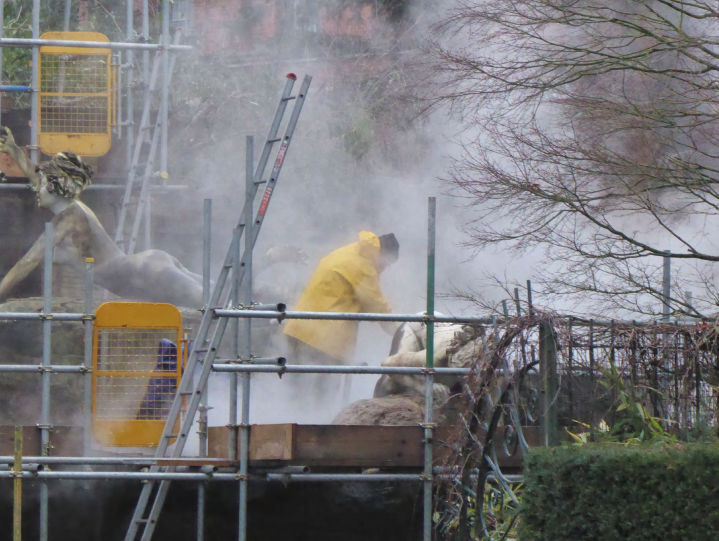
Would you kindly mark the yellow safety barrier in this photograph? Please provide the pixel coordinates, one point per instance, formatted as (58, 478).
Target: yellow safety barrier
(138, 353)
(76, 98)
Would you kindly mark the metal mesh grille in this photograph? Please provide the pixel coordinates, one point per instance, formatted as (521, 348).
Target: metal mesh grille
(137, 374)
(65, 73)
(74, 93)
(79, 114)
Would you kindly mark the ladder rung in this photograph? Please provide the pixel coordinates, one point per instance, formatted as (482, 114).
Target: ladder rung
(288, 98)
(274, 140)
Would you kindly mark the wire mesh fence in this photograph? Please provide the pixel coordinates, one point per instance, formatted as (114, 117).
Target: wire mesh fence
(136, 374)
(668, 368)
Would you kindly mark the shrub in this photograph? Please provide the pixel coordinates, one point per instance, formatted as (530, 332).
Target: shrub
(632, 493)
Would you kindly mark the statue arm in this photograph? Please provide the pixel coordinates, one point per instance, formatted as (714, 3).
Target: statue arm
(22, 268)
(442, 346)
(34, 256)
(8, 145)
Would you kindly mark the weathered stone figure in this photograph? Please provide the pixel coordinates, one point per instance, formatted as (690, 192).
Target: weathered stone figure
(152, 275)
(454, 346)
(399, 399)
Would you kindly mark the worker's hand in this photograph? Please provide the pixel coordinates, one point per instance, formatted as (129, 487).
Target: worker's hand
(445, 343)
(7, 141)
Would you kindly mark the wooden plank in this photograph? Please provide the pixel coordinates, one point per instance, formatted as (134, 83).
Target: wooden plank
(272, 442)
(196, 462)
(64, 441)
(367, 446)
(351, 445)
(218, 442)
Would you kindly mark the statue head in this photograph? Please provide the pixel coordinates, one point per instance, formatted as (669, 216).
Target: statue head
(64, 176)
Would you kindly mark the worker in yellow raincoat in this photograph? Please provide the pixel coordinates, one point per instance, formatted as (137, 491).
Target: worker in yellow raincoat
(346, 280)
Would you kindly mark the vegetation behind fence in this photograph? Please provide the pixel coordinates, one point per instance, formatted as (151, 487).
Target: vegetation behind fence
(578, 380)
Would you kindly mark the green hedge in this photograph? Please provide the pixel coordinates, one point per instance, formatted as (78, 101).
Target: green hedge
(615, 492)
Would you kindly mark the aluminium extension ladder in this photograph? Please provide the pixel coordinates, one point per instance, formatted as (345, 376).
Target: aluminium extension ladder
(212, 329)
(145, 151)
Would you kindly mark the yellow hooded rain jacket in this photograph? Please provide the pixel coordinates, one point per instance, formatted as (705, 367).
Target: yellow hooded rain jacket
(346, 280)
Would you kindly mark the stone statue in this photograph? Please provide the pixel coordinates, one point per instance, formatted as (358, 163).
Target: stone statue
(151, 275)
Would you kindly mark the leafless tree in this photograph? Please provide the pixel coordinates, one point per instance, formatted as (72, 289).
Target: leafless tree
(592, 134)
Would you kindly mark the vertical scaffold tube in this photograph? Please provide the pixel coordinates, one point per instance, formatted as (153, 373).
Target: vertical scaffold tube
(146, 37)
(246, 345)
(2, 49)
(87, 351)
(235, 326)
(35, 84)
(429, 378)
(128, 63)
(206, 249)
(202, 409)
(206, 285)
(66, 16)
(164, 103)
(17, 487)
(666, 285)
(46, 361)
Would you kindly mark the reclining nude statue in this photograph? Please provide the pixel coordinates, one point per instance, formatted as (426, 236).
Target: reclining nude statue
(151, 275)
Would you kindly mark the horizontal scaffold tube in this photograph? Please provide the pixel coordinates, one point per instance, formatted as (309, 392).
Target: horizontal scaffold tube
(60, 316)
(212, 476)
(272, 314)
(327, 369)
(139, 476)
(117, 460)
(68, 368)
(28, 42)
(329, 477)
(94, 187)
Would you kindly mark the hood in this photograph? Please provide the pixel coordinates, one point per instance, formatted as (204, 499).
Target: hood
(368, 245)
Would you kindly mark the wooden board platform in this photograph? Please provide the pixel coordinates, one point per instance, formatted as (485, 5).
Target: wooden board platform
(342, 445)
(65, 441)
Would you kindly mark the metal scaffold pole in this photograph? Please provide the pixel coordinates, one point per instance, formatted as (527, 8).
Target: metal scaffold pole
(46, 361)
(234, 380)
(17, 486)
(35, 82)
(429, 377)
(245, 351)
(115, 45)
(87, 351)
(203, 407)
(2, 34)
(129, 65)
(165, 97)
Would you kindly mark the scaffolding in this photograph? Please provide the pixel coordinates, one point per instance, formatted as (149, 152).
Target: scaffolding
(137, 138)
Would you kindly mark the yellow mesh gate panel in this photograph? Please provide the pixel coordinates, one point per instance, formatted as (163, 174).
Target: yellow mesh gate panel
(76, 96)
(137, 365)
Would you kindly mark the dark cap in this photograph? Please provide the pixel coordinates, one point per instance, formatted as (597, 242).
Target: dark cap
(389, 247)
